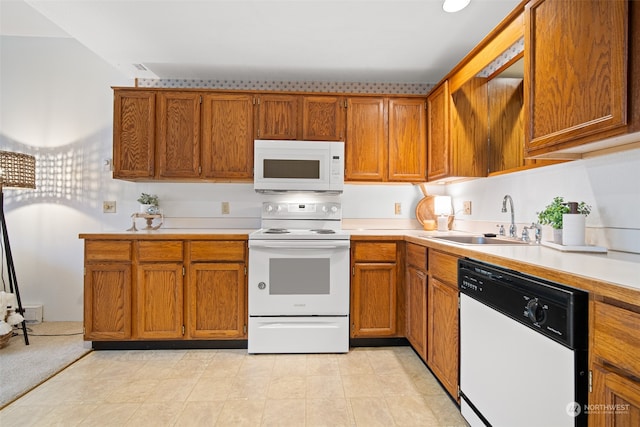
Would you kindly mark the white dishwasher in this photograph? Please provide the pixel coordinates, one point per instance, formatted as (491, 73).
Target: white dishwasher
(523, 349)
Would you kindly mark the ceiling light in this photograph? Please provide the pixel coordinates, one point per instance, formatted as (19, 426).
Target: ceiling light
(454, 5)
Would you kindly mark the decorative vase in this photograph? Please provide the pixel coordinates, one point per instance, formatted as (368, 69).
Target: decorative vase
(144, 208)
(557, 236)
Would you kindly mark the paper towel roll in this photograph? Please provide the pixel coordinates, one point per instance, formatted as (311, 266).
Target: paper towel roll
(573, 229)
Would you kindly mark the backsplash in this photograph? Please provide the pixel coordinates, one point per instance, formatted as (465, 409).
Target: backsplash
(291, 86)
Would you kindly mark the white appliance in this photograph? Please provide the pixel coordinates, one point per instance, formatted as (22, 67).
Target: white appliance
(523, 349)
(316, 166)
(299, 280)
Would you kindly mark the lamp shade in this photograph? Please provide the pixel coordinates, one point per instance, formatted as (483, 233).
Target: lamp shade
(442, 205)
(17, 170)
(452, 6)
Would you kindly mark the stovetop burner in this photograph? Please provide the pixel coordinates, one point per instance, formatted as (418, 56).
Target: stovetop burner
(276, 231)
(323, 231)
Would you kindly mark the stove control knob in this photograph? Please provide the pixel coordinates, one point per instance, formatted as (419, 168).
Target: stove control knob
(325, 209)
(334, 209)
(269, 208)
(535, 311)
(262, 285)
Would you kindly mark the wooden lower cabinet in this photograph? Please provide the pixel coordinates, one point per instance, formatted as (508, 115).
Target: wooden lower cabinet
(217, 301)
(107, 296)
(374, 290)
(615, 364)
(615, 400)
(417, 294)
(159, 301)
(164, 289)
(443, 334)
(443, 319)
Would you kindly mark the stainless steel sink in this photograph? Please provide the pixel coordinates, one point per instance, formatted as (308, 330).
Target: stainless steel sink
(479, 240)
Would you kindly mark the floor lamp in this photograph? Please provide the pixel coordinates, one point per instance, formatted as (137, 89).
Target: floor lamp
(16, 171)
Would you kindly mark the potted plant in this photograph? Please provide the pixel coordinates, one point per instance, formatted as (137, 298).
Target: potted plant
(552, 215)
(148, 203)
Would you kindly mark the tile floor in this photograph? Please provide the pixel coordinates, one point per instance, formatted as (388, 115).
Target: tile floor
(385, 386)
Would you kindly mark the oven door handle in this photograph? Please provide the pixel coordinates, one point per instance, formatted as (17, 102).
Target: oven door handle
(300, 244)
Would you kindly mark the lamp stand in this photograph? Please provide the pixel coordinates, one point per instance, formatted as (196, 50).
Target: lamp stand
(13, 280)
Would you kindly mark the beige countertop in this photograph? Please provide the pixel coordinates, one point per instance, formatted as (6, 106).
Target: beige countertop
(613, 274)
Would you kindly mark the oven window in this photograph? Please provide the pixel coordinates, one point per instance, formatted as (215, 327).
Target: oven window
(298, 169)
(299, 276)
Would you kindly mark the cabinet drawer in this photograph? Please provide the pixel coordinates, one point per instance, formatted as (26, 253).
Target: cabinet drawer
(218, 251)
(164, 250)
(616, 336)
(444, 267)
(417, 256)
(383, 251)
(107, 250)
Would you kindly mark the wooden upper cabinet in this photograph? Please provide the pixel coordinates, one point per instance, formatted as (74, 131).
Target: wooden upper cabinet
(227, 136)
(407, 140)
(575, 72)
(178, 134)
(277, 117)
(438, 138)
(366, 150)
(134, 134)
(323, 118)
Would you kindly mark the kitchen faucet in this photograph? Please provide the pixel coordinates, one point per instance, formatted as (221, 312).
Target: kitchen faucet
(513, 230)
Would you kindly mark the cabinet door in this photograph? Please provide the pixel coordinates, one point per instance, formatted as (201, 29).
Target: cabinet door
(178, 124)
(227, 136)
(107, 301)
(159, 301)
(443, 334)
(277, 117)
(217, 300)
(373, 310)
(366, 150)
(407, 140)
(438, 141)
(134, 134)
(323, 118)
(615, 399)
(576, 65)
(417, 310)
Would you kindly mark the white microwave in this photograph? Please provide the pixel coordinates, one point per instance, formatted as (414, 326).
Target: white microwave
(298, 166)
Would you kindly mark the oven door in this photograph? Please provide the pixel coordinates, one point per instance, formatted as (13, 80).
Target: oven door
(298, 277)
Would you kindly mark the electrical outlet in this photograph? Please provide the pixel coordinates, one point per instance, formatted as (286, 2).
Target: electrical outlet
(225, 208)
(109, 206)
(466, 207)
(398, 208)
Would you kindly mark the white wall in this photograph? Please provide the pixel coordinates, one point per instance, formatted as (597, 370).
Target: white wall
(56, 103)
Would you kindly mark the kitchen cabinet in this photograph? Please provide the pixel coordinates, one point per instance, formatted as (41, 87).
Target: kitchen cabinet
(443, 320)
(407, 139)
(277, 116)
(576, 60)
(323, 118)
(134, 127)
(374, 288)
(366, 153)
(417, 294)
(438, 138)
(107, 290)
(615, 363)
(385, 139)
(217, 289)
(165, 289)
(159, 290)
(178, 134)
(227, 136)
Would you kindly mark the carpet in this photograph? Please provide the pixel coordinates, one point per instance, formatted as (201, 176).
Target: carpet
(52, 347)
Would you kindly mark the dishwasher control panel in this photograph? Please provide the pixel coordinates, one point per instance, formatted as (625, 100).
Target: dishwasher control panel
(555, 310)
